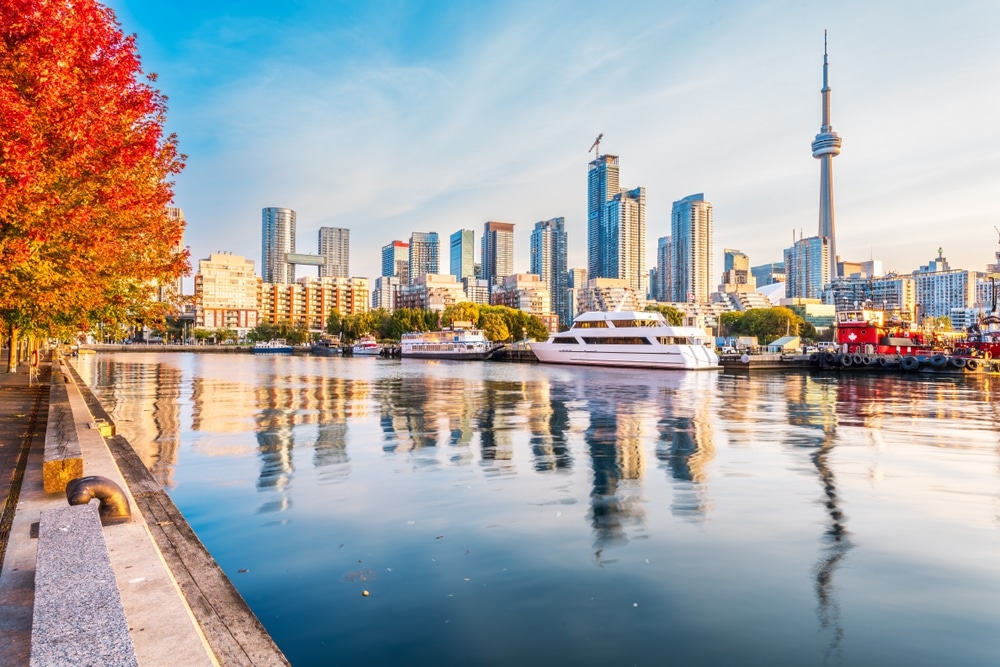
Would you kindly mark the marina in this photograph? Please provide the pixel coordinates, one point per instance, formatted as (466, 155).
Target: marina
(834, 516)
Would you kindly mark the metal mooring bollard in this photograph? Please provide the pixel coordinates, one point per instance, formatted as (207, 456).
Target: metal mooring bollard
(114, 505)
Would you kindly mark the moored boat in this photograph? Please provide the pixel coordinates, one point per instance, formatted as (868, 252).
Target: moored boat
(629, 339)
(454, 343)
(276, 346)
(367, 346)
(326, 347)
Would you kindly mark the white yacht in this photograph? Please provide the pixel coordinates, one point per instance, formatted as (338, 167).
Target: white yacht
(457, 343)
(629, 339)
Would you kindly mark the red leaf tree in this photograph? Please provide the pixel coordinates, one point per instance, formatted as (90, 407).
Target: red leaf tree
(84, 172)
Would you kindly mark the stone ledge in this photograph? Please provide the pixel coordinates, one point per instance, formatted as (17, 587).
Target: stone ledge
(63, 460)
(78, 617)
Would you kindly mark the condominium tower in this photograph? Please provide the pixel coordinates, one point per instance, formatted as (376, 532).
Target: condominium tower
(498, 251)
(277, 240)
(616, 226)
(548, 262)
(462, 262)
(335, 248)
(424, 255)
(602, 185)
(691, 249)
(396, 260)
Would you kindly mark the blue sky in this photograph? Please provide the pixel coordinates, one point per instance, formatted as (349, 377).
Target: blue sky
(393, 117)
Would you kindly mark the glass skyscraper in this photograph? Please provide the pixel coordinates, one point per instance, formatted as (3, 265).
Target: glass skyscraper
(424, 255)
(277, 239)
(548, 261)
(807, 268)
(462, 262)
(396, 260)
(602, 185)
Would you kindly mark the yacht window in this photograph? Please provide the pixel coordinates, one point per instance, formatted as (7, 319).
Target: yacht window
(674, 340)
(617, 340)
(600, 324)
(563, 340)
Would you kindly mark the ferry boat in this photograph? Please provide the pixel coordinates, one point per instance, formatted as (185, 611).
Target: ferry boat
(366, 347)
(455, 343)
(629, 339)
(276, 346)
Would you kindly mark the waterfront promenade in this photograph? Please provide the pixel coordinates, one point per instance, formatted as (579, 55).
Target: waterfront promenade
(179, 606)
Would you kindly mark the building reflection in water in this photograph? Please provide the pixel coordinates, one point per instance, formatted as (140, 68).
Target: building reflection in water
(143, 400)
(614, 442)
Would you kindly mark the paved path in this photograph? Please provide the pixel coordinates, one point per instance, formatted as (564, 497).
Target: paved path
(23, 408)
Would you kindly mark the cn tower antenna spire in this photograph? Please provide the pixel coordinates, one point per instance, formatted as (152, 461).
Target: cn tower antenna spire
(825, 147)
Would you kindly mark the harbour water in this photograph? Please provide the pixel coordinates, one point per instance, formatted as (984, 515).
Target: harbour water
(514, 514)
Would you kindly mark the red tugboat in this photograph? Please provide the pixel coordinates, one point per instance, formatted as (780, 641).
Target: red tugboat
(873, 338)
(982, 341)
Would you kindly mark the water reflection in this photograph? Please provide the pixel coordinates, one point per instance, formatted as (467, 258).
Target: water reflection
(533, 475)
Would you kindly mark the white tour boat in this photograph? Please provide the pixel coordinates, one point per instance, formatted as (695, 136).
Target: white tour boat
(456, 343)
(629, 339)
(366, 346)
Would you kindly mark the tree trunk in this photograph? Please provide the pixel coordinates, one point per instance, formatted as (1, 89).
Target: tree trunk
(12, 359)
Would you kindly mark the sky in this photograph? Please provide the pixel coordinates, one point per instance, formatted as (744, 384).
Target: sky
(393, 117)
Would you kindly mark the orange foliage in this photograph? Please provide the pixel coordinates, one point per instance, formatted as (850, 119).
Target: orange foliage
(84, 169)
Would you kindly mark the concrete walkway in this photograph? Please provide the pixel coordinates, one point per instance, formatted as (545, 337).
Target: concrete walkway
(180, 607)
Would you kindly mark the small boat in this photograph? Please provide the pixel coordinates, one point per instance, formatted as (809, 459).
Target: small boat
(454, 343)
(326, 347)
(629, 339)
(367, 346)
(276, 346)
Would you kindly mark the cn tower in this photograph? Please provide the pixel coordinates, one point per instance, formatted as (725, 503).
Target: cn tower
(825, 147)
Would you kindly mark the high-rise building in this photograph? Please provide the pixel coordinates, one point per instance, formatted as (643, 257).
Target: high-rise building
(807, 268)
(624, 223)
(335, 248)
(576, 286)
(424, 255)
(385, 292)
(768, 274)
(462, 257)
(661, 290)
(277, 240)
(691, 234)
(548, 261)
(498, 251)
(396, 260)
(602, 185)
(616, 226)
(939, 288)
(825, 147)
(736, 276)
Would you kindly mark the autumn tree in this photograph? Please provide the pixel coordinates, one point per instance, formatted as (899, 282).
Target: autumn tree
(84, 172)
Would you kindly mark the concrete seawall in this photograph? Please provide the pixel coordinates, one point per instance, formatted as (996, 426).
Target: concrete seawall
(181, 608)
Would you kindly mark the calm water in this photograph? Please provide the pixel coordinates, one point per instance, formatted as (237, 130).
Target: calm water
(532, 515)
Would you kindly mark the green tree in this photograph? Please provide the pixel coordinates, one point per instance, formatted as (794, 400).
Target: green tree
(464, 311)
(670, 314)
(201, 335)
(494, 327)
(767, 324)
(333, 323)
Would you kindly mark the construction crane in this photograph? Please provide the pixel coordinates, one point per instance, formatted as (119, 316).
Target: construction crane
(597, 145)
(994, 226)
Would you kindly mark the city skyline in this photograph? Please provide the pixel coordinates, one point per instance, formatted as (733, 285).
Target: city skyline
(501, 132)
